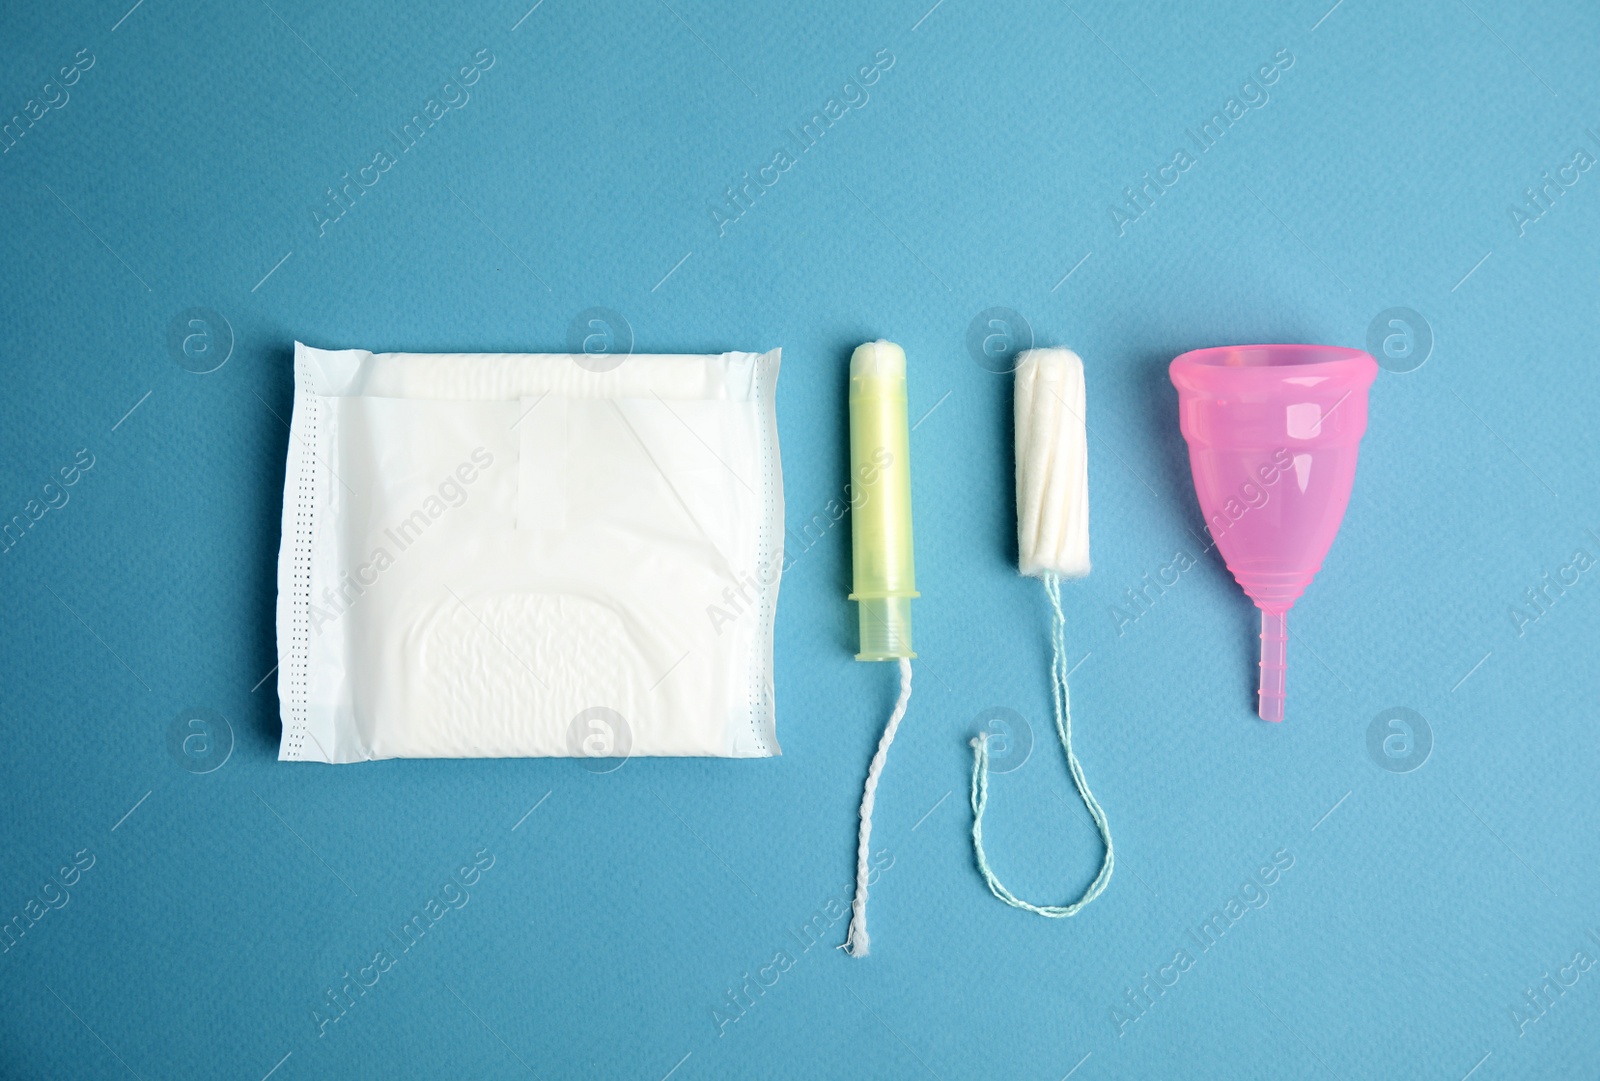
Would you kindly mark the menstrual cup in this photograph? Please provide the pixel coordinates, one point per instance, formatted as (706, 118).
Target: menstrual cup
(1273, 433)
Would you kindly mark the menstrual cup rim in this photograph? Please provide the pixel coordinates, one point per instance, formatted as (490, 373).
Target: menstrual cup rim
(1298, 356)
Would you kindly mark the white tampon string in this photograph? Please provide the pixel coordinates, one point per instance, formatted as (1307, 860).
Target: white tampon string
(857, 943)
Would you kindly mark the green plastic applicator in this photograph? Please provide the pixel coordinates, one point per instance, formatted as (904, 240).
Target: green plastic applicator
(880, 520)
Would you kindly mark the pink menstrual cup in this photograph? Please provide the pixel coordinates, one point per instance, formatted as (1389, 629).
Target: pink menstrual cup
(1273, 433)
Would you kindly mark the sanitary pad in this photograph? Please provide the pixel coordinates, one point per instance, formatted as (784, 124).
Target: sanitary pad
(524, 555)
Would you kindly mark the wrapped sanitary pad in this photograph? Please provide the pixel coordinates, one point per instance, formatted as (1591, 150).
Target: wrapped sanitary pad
(529, 554)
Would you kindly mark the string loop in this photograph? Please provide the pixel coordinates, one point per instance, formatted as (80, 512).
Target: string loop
(980, 775)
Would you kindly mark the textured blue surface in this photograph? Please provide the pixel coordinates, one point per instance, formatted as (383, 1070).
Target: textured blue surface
(185, 169)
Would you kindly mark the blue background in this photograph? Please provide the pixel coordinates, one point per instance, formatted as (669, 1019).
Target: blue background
(187, 164)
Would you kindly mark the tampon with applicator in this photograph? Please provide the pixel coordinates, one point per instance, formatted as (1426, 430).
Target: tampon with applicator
(884, 576)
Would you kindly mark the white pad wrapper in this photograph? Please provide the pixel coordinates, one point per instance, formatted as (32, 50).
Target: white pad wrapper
(521, 555)
(1052, 465)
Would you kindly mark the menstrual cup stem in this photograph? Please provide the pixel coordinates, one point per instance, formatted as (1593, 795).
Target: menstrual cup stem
(1274, 657)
